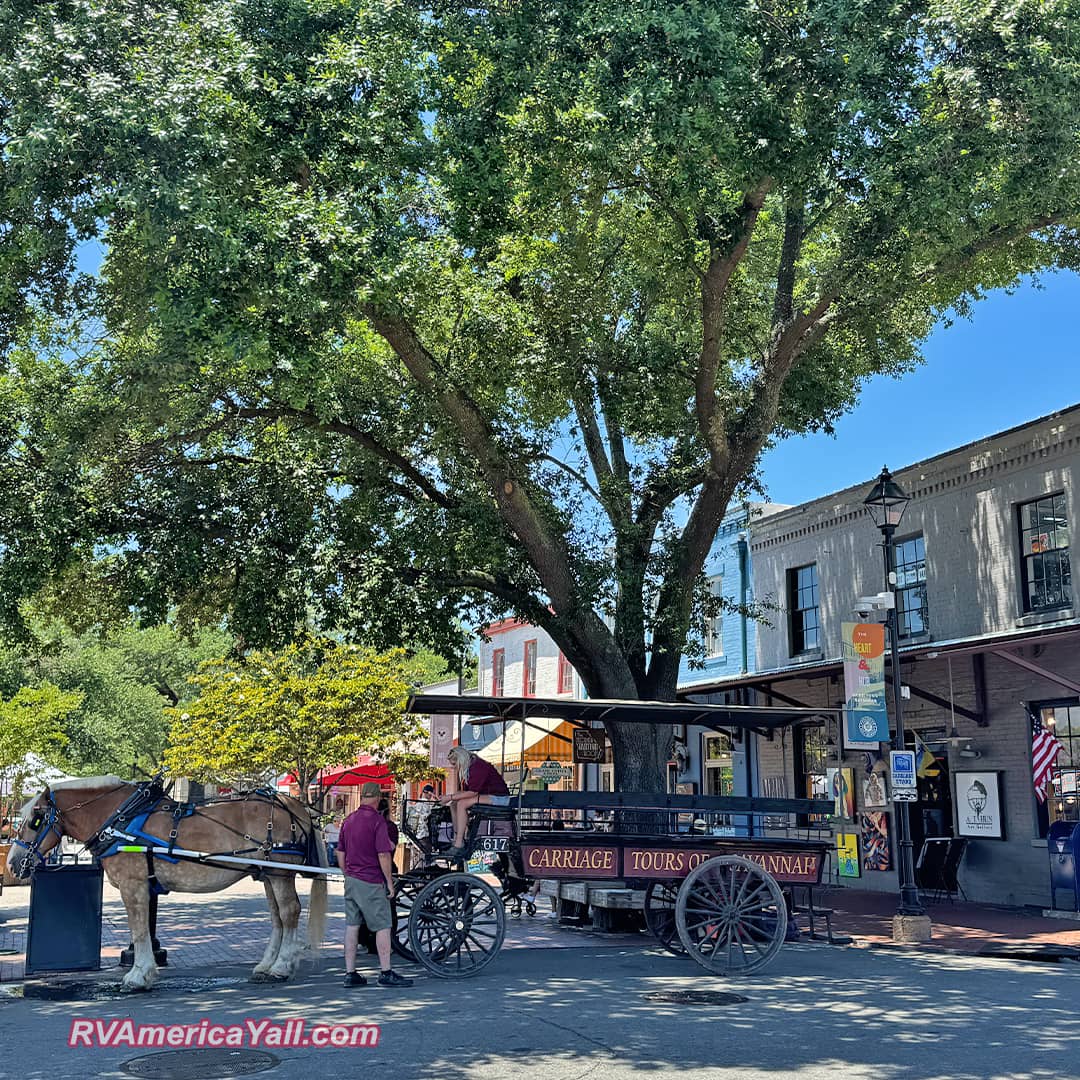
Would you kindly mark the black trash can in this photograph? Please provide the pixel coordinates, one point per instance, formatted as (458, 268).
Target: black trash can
(64, 931)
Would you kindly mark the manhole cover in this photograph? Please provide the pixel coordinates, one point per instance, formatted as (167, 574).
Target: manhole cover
(695, 997)
(200, 1064)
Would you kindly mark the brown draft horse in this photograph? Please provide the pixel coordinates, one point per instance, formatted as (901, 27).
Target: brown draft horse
(79, 808)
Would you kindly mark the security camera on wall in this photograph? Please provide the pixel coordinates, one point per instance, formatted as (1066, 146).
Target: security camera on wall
(874, 608)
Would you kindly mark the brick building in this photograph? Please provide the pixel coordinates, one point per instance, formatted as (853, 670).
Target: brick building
(989, 640)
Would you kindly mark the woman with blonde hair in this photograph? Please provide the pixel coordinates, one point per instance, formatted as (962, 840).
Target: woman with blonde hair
(477, 782)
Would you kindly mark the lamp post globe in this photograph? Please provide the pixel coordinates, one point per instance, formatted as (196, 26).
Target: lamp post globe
(886, 503)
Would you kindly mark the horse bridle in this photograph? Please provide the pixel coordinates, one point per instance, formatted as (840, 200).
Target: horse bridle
(45, 820)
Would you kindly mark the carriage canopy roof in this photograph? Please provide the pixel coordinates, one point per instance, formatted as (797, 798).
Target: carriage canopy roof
(494, 710)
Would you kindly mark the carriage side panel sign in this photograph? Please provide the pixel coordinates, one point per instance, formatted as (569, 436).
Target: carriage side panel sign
(794, 867)
(569, 860)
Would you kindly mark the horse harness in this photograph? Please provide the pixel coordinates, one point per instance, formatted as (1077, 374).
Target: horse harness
(126, 827)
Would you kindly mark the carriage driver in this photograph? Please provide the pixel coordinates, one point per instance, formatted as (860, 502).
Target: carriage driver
(478, 782)
(364, 855)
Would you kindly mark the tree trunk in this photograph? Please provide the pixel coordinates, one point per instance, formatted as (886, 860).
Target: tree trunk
(640, 751)
(641, 754)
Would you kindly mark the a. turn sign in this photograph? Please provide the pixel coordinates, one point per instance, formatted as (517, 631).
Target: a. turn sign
(905, 786)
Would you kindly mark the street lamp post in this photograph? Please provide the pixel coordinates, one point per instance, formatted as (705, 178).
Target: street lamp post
(887, 502)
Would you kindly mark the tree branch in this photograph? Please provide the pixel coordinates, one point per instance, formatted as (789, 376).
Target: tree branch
(350, 431)
(594, 441)
(616, 440)
(580, 477)
(583, 635)
(993, 239)
(546, 550)
(790, 249)
(722, 265)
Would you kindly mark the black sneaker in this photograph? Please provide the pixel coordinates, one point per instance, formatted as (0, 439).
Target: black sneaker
(392, 978)
(354, 978)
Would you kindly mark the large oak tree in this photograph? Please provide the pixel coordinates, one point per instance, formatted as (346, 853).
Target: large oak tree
(405, 310)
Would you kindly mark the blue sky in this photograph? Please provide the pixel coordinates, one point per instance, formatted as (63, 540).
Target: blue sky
(1016, 359)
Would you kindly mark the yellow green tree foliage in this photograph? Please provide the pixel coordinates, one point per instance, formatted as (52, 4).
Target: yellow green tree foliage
(314, 705)
(31, 725)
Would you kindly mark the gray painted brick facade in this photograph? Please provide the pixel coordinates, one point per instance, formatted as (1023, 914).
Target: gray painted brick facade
(965, 504)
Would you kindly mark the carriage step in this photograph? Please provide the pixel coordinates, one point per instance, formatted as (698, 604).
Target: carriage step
(617, 899)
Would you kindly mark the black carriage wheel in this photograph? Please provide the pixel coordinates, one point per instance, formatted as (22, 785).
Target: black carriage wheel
(409, 886)
(457, 925)
(731, 915)
(660, 898)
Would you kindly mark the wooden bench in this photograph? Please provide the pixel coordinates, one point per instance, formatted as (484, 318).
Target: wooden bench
(813, 912)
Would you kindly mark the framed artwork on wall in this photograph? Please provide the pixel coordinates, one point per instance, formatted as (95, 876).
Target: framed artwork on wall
(877, 854)
(980, 807)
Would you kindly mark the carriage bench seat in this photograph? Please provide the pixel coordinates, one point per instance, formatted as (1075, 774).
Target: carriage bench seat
(485, 811)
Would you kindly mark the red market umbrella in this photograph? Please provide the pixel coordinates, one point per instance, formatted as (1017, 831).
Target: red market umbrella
(365, 769)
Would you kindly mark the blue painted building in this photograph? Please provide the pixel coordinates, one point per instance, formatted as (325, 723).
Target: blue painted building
(706, 762)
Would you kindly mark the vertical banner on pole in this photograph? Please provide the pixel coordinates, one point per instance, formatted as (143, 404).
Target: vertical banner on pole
(442, 740)
(866, 721)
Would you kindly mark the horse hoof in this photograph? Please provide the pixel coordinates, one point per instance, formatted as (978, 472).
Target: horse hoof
(259, 976)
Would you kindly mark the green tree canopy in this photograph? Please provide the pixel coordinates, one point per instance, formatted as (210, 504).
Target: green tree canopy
(31, 726)
(311, 706)
(122, 679)
(410, 311)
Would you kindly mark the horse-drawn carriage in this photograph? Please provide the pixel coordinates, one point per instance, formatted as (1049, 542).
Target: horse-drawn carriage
(719, 898)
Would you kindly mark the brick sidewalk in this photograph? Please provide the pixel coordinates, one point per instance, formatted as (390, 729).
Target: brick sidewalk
(232, 927)
(960, 927)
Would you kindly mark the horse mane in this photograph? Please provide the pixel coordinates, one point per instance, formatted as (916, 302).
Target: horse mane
(83, 782)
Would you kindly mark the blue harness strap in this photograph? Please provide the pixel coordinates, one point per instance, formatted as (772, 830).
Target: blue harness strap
(135, 831)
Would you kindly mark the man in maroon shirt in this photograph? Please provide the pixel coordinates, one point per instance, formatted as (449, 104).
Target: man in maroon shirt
(363, 854)
(478, 781)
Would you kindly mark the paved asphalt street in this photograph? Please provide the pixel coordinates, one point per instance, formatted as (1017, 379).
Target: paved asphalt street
(571, 1013)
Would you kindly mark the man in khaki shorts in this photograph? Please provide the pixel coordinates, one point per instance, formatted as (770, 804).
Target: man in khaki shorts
(363, 854)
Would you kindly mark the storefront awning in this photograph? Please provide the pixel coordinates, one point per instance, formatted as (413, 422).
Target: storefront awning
(540, 739)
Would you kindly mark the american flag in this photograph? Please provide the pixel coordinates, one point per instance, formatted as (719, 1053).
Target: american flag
(1045, 747)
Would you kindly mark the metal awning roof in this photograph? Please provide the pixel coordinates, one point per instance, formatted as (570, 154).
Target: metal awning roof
(923, 650)
(495, 710)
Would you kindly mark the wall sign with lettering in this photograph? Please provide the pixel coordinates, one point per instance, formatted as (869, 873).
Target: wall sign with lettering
(588, 746)
(980, 809)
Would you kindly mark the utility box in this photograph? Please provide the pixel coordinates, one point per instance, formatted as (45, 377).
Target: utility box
(1063, 846)
(64, 931)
